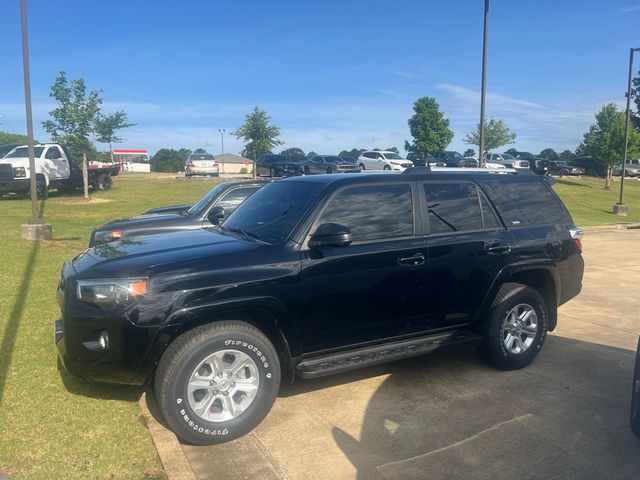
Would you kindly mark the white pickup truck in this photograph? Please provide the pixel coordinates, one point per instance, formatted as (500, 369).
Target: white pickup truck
(53, 170)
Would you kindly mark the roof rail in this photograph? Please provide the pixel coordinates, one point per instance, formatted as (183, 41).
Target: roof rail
(427, 169)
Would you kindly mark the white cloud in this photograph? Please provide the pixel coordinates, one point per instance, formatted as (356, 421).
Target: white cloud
(629, 8)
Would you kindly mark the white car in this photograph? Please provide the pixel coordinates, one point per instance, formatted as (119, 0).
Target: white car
(497, 166)
(507, 160)
(201, 164)
(383, 160)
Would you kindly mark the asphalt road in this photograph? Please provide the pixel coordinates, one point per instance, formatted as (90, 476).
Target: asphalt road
(450, 416)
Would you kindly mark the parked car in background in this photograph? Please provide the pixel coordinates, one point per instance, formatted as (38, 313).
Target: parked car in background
(328, 164)
(201, 164)
(635, 394)
(591, 166)
(631, 168)
(451, 158)
(273, 165)
(4, 149)
(558, 167)
(210, 210)
(507, 160)
(422, 160)
(383, 160)
(313, 276)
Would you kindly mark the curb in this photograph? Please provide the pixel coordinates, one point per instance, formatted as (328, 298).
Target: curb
(612, 227)
(174, 462)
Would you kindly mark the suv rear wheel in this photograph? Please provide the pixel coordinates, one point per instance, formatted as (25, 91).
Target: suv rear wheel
(217, 382)
(516, 327)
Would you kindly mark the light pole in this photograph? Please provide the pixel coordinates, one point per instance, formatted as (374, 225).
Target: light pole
(35, 229)
(483, 91)
(222, 132)
(620, 208)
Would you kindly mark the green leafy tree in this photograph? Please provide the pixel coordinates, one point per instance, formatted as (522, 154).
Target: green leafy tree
(106, 128)
(199, 150)
(392, 149)
(294, 153)
(429, 128)
(73, 120)
(549, 154)
(352, 154)
(311, 154)
(6, 138)
(567, 156)
(469, 152)
(496, 134)
(605, 139)
(169, 160)
(258, 133)
(512, 151)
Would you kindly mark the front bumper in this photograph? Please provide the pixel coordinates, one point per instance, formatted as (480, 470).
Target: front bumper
(16, 185)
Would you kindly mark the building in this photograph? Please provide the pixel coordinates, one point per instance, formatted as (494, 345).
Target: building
(233, 164)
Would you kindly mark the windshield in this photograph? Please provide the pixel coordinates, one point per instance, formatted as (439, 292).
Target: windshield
(21, 152)
(201, 156)
(506, 156)
(453, 154)
(201, 205)
(393, 156)
(271, 214)
(334, 160)
(276, 158)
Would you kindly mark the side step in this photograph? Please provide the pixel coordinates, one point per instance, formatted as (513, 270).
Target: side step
(366, 356)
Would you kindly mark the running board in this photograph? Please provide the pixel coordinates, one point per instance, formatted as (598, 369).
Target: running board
(366, 356)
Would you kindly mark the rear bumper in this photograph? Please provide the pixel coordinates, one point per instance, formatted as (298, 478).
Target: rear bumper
(202, 170)
(15, 185)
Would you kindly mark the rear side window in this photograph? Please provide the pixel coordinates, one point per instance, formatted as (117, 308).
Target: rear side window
(453, 207)
(372, 212)
(520, 203)
(235, 197)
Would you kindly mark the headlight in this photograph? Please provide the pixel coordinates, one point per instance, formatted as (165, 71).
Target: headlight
(19, 172)
(112, 292)
(106, 236)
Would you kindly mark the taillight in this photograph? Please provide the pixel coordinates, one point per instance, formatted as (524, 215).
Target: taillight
(190, 163)
(577, 233)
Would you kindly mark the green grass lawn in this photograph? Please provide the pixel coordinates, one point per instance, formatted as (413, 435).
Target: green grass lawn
(54, 426)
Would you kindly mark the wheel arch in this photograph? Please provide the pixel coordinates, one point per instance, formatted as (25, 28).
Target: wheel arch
(540, 278)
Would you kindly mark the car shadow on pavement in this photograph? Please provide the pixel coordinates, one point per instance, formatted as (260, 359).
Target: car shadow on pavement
(450, 416)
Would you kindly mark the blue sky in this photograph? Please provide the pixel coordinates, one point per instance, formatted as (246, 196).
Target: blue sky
(332, 74)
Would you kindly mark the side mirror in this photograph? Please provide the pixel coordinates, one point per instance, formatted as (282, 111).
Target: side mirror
(215, 215)
(330, 235)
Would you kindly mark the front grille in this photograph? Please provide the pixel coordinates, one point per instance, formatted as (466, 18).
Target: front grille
(6, 171)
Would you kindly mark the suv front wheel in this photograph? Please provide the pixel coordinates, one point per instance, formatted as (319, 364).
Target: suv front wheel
(516, 327)
(217, 382)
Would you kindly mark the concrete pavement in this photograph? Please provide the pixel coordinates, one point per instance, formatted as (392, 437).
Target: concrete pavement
(450, 416)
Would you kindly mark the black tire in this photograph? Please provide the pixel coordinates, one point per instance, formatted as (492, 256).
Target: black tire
(104, 181)
(635, 395)
(272, 172)
(386, 167)
(307, 170)
(185, 354)
(493, 348)
(362, 167)
(330, 170)
(564, 173)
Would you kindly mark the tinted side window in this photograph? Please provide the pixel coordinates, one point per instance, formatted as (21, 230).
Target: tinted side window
(453, 207)
(489, 218)
(527, 202)
(234, 198)
(372, 212)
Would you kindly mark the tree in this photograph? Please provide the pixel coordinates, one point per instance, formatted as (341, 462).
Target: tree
(6, 138)
(169, 160)
(107, 126)
(311, 154)
(258, 134)
(429, 128)
(469, 152)
(392, 149)
(294, 153)
(496, 134)
(512, 151)
(74, 118)
(549, 154)
(567, 156)
(352, 154)
(605, 139)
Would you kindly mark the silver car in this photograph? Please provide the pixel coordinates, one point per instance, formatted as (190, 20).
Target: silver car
(507, 160)
(201, 164)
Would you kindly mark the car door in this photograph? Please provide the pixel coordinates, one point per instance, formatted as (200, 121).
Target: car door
(56, 165)
(467, 248)
(367, 160)
(370, 289)
(317, 165)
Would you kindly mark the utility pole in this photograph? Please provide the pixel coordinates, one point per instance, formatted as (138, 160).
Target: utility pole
(35, 229)
(222, 132)
(483, 92)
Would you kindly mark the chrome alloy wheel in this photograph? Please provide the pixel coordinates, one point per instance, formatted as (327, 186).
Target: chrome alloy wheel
(223, 386)
(519, 328)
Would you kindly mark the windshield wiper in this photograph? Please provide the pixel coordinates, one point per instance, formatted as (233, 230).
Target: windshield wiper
(246, 234)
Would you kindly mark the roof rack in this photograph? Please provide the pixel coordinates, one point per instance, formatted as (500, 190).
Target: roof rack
(427, 169)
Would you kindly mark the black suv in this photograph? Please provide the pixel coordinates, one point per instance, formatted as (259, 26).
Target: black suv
(316, 275)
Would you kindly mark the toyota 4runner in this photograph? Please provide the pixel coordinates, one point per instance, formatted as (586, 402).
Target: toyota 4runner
(316, 275)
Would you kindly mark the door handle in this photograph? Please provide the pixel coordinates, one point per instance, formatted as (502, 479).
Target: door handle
(417, 259)
(498, 249)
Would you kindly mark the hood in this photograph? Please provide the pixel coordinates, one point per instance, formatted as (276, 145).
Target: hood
(145, 220)
(139, 256)
(18, 161)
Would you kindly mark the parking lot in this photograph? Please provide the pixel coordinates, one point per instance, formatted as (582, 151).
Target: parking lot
(449, 415)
